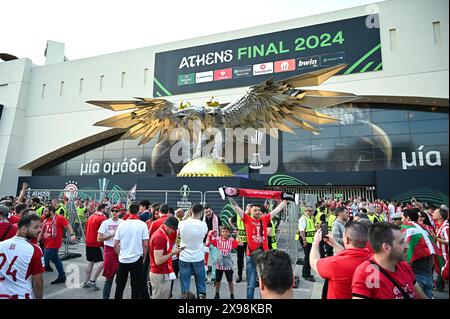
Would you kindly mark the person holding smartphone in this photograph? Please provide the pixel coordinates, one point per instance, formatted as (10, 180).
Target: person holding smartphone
(161, 252)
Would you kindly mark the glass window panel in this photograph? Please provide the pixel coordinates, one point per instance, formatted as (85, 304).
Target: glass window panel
(148, 152)
(429, 126)
(133, 152)
(297, 145)
(381, 153)
(327, 132)
(356, 130)
(299, 135)
(296, 156)
(429, 139)
(96, 154)
(420, 115)
(394, 127)
(113, 154)
(132, 143)
(326, 144)
(356, 142)
(117, 145)
(389, 116)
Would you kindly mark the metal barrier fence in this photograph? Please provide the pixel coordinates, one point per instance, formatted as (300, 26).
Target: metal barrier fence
(286, 224)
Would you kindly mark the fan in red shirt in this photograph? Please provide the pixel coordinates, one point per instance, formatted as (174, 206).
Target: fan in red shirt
(94, 252)
(161, 252)
(21, 265)
(52, 235)
(338, 270)
(386, 275)
(7, 229)
(256, 230)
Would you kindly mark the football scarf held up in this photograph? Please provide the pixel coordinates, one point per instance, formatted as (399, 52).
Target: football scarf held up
(257, 193)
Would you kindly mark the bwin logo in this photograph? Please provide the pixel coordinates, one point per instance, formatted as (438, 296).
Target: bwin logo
(312, 62)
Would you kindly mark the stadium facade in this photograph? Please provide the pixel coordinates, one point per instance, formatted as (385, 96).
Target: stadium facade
(393, 142)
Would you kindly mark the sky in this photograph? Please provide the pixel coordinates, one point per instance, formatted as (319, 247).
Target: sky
(95, 27)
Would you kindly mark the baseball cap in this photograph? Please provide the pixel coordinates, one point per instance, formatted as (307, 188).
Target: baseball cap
(171, 222)
(115, 207)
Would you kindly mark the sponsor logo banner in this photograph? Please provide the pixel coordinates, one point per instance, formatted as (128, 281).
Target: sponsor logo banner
(309, 62)
(204, 77)
(225, 74)
(285, 65)
(185, 79)
(332, 59)
(263, 68)
(353, 41)
(244, 71)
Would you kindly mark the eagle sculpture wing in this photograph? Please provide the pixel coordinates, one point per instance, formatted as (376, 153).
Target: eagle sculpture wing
(276, 104)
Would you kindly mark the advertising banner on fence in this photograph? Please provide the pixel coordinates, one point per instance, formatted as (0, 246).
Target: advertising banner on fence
(283, 54)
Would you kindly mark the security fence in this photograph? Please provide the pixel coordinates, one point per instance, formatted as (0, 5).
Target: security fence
(286, 222)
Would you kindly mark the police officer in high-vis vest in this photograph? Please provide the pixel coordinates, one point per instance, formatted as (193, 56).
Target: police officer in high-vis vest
(373, 217)
(273, 235)
(61, 208)
(36, 206)
(307, 230)
(331, 219)
(81, 220)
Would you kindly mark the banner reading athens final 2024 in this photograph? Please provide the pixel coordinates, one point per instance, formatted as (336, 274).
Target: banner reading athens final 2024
(251, 60)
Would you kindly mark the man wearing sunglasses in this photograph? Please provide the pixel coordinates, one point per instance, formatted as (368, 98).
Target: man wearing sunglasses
(106, 234)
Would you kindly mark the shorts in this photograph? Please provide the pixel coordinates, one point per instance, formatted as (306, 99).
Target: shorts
(94, 254)
(228, 275)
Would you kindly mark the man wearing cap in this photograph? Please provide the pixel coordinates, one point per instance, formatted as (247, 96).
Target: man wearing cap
(161, 252)
(106, 234)
(397, 219)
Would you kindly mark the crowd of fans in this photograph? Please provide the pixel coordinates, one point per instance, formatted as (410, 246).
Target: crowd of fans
(376, 250)
(401, 248)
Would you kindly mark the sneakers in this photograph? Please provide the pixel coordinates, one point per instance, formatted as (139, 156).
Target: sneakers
(310, 278)
(59, 281)
(201, 296)
(239, 280)
(91, 284)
